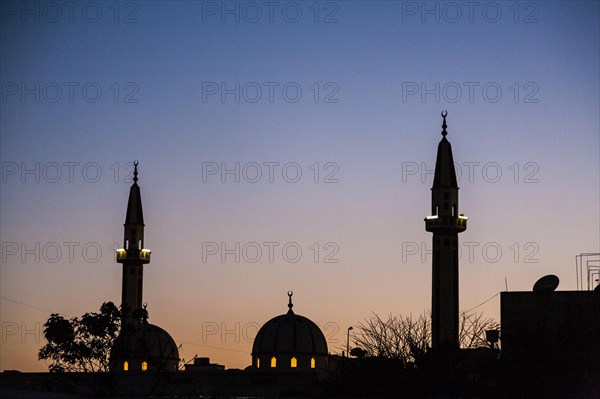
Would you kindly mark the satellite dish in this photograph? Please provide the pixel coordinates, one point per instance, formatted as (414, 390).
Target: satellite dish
(546, 284)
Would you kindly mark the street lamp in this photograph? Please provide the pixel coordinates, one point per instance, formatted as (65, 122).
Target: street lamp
(348, 342)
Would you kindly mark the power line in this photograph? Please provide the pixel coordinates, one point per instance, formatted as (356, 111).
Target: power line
(183, 342)
(484, 302)
(26, 304)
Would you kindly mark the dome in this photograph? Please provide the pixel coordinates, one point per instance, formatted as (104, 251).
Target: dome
(146, 347)
(290, 336)
(290, 333)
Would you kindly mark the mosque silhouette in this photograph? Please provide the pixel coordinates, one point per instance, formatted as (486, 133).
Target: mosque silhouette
(289, 341)
(545, 333)
(550, 339)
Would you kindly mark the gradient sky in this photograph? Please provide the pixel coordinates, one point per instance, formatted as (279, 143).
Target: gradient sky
(154, 64)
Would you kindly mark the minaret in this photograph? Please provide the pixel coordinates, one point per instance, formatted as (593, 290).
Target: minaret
(132, 255)
(445, 223)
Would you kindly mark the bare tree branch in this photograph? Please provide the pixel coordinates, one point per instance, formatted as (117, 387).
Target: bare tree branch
(407, 339)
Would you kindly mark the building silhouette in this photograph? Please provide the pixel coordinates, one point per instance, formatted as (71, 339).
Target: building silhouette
(445, 223)
(289, 342)
(133, 255)
(551, 340)
(140, 346)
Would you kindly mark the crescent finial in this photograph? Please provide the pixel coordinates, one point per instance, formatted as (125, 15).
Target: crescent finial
(444, 126)
(135, 171)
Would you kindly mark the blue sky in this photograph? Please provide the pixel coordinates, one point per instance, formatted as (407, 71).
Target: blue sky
(365, 128)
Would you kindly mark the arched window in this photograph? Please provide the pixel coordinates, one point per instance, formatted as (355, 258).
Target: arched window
(273, 362)
(257, 362)
(126, 244)
(139, 244)
(294, 363)
(312, 362)
(126, 366)
(144, 366)
(453, 209)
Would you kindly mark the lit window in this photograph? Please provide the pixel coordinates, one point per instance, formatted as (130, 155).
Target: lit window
(126, 366)
(294, 363)
(273, 362)
(144, 366)
(257, 363)
(127, 244)
(140, 244)
(312, 363)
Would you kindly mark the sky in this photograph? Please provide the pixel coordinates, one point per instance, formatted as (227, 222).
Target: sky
(288, 146)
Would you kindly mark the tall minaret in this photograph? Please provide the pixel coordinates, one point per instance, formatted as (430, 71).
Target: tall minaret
(445, 223)
(132, 255)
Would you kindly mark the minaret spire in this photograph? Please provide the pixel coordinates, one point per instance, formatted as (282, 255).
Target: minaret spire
(133, 255)
(135, 215)
(445, 223)
(445, 174)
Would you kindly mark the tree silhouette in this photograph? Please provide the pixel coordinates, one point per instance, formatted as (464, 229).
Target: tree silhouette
(81, 344)
(472, 328)
(407, 339)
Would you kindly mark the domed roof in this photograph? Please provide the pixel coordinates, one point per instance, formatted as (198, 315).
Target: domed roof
(146, 342)
(289, 333)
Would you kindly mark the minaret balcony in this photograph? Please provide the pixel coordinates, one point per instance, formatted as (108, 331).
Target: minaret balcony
(124, 255)
(446, 224)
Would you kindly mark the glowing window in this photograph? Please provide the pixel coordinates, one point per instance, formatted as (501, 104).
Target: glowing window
(126, 366)
(273, 362)
(257, 363)
(140, 244)
(127, 244)
(294, 363)
(144, 366)
(312, 363)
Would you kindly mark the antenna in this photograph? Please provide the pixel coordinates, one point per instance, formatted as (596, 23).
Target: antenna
(546, 284)
(588, 264)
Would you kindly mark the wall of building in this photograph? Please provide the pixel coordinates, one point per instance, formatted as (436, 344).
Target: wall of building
(552, 338)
